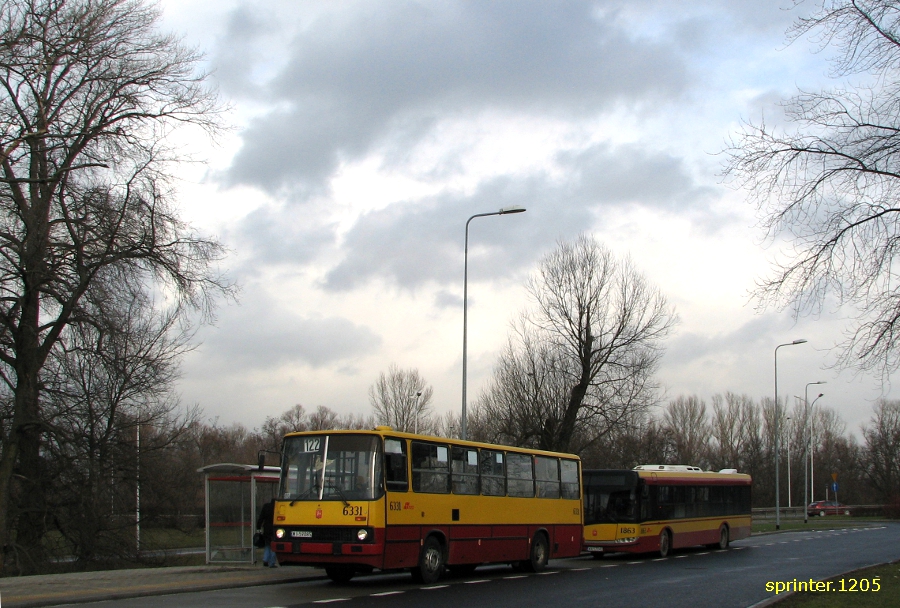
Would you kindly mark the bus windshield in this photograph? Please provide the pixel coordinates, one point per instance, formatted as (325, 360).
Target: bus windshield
(610, 497)
(331, 467)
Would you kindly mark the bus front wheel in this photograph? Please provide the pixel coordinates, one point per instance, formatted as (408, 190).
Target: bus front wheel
(665, 543)
(431, 562)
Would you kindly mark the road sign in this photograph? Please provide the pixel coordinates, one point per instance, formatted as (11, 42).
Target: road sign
(834, 477)
(834, 487)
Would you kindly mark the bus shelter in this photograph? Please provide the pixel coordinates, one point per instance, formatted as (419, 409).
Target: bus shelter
(235, 494)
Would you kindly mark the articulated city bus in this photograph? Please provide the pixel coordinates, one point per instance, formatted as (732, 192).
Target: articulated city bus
(355, 501)
(664, 507)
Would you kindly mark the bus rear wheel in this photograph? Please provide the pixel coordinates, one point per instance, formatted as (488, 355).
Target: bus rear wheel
(340, 574)
(724, 538)
(431, 562)
(540, 554)
(665, 543)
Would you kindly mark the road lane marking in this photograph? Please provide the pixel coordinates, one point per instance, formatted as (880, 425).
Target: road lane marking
(434, 587)
(336, 599)
(549, 572)
(516, 576)
(383, 593)
(484, 580)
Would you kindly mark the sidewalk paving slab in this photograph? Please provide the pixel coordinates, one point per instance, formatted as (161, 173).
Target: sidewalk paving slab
(79, 587)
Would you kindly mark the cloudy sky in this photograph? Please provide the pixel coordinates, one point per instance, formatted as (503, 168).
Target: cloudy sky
(366, 133)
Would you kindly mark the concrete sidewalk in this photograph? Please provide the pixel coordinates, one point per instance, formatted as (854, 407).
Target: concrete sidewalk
(56, 589)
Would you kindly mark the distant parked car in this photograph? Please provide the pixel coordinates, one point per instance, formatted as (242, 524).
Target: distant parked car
(827, 507)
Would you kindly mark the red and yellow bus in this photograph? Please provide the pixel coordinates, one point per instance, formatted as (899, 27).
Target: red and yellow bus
(356, 501)
(664, 507)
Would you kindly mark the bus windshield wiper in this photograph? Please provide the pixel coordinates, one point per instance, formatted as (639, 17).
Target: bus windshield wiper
(339, 492)
(304, 494)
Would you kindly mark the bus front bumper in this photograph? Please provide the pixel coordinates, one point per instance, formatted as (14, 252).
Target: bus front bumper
(610, 546)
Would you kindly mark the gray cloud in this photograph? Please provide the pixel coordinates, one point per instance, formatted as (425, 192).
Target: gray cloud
(760, 333)
(417, 242)
(606, 175)
(362, 75)
(421, 241)
(282, 234)
(260, 335)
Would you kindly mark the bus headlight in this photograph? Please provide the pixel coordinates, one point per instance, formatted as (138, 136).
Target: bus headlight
(363, 534)
(279, 533)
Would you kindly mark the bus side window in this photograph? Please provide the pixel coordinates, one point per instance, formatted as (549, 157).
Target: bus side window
(679, 498)
(546, 472)
(645, 502)
(569, 474)
(395, 470)
(464, 470)
(519, 475)
(493, 474)
(665, 502)
(431, 468)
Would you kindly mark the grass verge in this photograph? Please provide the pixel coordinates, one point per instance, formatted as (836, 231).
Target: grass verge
(886, 578)
(815, 523)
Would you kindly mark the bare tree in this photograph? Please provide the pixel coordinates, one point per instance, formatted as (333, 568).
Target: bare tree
(108, 386)
(88, 93)
(830, 182)
(527, 394)
(726, 431)
(297, 419)
(688, 429)
(639, 439)
(401, 399)
(882, 437)
(449, 425)
(583, 359)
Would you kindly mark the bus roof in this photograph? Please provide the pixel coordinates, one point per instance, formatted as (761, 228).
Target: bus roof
(694, 476)
(386, 430)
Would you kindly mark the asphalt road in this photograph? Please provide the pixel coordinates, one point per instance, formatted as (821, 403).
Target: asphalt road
(695, 578)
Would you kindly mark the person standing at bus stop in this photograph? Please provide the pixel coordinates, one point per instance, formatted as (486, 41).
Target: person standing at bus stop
(266, 523)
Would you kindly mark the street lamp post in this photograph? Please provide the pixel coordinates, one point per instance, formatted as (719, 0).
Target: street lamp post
(504, 211)
(812, 476)
(416, 410)
(789, 465)
(807, 461)
(777, 431)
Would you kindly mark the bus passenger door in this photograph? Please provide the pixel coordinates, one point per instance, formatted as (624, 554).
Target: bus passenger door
(401, 548)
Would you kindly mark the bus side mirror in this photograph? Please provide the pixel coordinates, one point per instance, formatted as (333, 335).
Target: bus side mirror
(261, 461)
